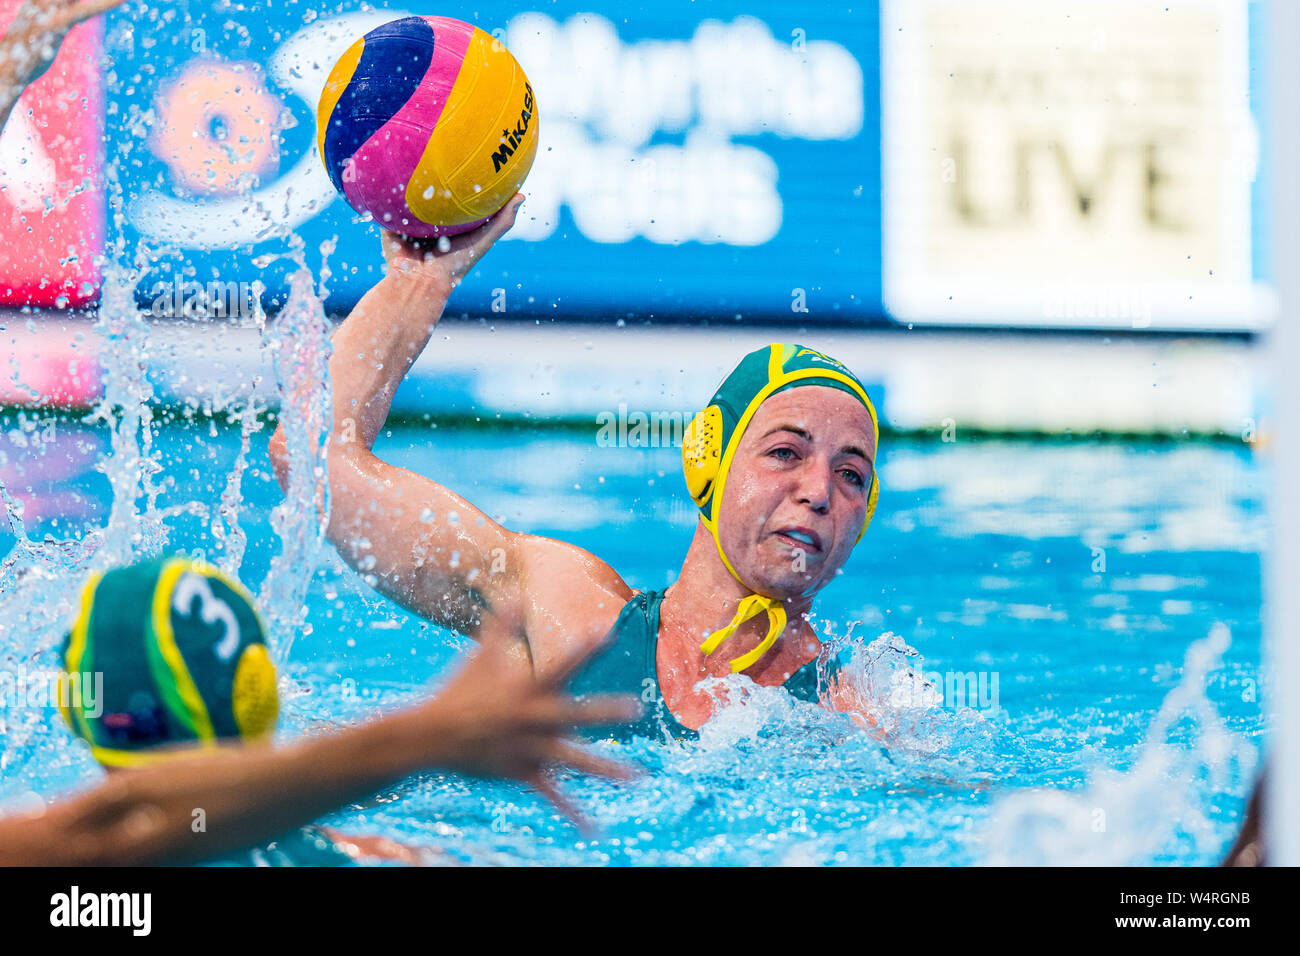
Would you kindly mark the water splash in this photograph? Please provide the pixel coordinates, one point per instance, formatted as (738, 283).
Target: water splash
(1158, 811)
(14, 560)
(40, 580)
(127, 408)
(770, 780)
(777, 775)
(226, 530)
(298, 341)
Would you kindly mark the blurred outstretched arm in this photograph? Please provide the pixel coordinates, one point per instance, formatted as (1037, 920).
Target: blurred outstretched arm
(487, 722)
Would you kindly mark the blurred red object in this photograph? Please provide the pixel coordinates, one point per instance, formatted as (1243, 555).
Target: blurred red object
(51, 178)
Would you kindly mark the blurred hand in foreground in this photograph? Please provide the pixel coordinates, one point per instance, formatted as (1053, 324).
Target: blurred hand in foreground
(496, 719)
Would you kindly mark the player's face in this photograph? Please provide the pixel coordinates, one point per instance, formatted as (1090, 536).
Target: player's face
(796, 492)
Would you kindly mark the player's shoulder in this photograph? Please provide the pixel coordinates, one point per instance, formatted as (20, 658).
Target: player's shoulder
(547, 561)
(569, 587)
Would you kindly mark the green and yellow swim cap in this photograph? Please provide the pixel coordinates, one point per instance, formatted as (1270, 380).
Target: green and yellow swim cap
(710, 444)
(182, 655)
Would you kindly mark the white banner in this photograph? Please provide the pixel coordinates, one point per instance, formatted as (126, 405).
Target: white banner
(1081, 163)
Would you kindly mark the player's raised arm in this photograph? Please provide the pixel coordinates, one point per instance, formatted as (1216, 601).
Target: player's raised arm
(419, 543)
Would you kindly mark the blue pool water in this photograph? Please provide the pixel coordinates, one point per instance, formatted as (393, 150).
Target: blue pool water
(1069, 579)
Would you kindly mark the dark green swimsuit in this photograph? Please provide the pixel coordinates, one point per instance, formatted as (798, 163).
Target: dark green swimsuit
(626, 665)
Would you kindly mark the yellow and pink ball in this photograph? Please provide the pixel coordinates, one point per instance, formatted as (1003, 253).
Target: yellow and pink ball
(428, 124)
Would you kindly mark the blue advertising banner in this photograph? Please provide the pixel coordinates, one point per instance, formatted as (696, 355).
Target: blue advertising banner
(714, 160)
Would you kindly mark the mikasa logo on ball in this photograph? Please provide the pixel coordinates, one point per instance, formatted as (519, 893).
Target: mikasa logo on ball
(510, 139)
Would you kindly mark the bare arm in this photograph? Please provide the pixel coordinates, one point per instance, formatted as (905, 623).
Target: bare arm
(422, 544)
(386, 521)
(486, 723)
(32, 41)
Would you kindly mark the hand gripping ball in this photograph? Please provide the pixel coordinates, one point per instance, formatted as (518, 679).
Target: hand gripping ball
(428, 124)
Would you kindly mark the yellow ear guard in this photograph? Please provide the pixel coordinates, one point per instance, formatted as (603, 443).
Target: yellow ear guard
(166, 652)
(711, 440)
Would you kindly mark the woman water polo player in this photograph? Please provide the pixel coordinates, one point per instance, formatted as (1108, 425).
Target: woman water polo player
(780, 463)
(166, 669)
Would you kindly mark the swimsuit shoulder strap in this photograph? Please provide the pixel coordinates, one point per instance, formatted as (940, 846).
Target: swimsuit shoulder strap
(627, 657)
(626, 665)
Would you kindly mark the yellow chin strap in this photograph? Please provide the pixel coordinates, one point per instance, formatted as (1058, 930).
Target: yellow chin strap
(707, 452)
(749, 607)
